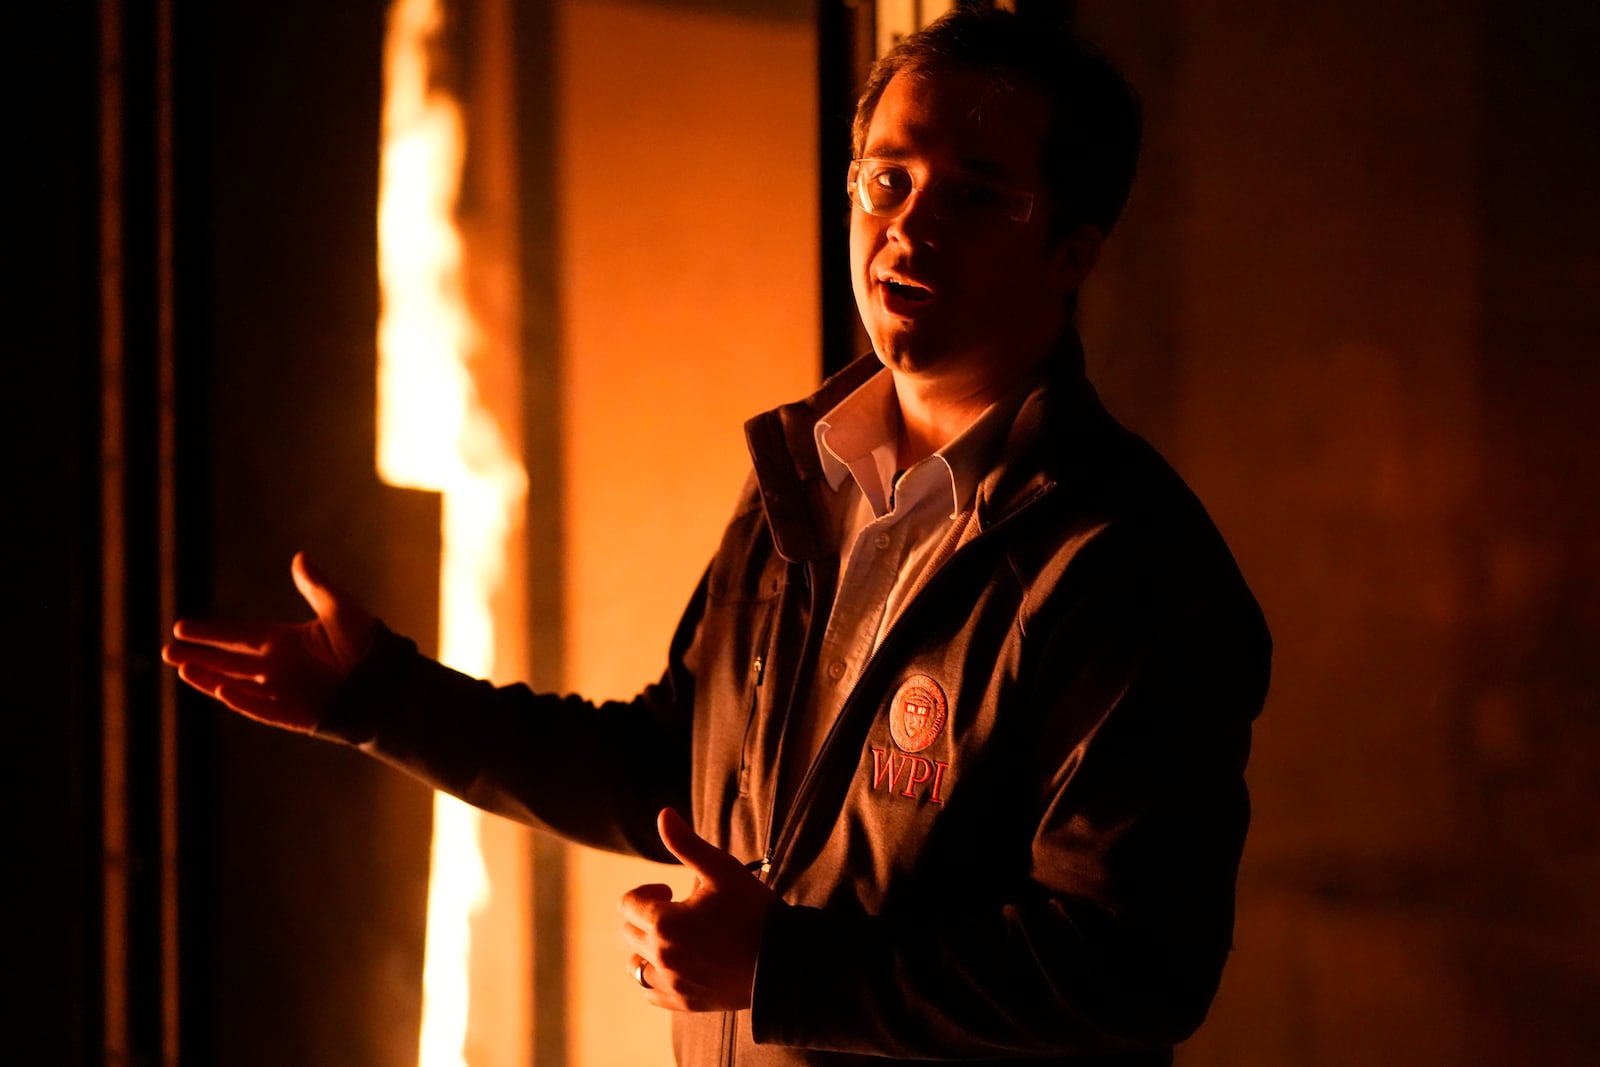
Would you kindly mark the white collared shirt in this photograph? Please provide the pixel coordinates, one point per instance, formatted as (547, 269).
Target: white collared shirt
(888, 532)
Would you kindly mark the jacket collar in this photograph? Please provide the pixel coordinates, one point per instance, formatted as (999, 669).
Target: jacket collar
(1037, 453)
(1049, 440)
(784, 450)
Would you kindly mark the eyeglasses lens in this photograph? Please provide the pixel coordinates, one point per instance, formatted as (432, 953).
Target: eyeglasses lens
(881, 188)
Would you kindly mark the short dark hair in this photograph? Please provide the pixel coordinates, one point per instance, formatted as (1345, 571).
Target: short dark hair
(1091, 148)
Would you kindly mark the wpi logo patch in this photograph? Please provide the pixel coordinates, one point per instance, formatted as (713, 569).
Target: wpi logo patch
(917, 714)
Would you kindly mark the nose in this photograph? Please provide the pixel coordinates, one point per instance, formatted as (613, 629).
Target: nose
(918, 221)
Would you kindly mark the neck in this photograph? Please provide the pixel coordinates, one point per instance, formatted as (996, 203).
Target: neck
(935, 409)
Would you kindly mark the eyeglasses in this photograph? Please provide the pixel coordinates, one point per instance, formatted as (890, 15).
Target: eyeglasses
(881, 187)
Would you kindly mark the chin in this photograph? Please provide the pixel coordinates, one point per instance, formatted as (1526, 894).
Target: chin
(907, 356)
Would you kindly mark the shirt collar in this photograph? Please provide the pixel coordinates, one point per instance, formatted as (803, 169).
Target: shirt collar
(860, 437)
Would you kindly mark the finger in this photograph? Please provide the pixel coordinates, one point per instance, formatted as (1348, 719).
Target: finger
(652, 891)
(233, 636)
(663, 988)
(230, 691)
(638, 941)
(249, 700)
(695, 852)
(642, 905)
(645, 975)
(215, 660)
(639, 969)
(255, 701)
(209, 681)
(201, 679)
(653, 984)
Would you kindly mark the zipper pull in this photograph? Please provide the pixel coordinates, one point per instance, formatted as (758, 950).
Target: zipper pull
(762, 865)
(759, 667)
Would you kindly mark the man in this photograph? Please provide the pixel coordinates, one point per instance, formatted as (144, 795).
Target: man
(960, 710)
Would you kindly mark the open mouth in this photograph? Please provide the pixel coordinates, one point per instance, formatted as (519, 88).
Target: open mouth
(906, 291)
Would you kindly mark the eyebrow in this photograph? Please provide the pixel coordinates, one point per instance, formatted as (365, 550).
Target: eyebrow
(986, 168)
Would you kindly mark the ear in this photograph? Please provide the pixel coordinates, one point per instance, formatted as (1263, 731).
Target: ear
(1074, 256)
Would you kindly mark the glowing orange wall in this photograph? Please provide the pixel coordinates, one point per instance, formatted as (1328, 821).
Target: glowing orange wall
(686, 199)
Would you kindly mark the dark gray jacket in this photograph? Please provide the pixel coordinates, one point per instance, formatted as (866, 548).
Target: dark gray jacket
(1020, 839)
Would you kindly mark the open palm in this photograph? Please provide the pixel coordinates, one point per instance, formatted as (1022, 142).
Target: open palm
(278, 673)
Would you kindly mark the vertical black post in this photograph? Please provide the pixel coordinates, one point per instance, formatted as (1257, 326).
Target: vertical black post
(138, 747)
(539, 258)
(844, 56)
(53, 963)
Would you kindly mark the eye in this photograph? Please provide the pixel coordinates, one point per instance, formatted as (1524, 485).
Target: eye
(892, 181)
(975, 198)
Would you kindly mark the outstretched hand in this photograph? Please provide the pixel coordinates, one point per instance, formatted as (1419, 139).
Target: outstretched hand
(697, 954)
(278, 673)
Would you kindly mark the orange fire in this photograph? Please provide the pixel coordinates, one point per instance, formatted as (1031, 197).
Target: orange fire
(439, 431)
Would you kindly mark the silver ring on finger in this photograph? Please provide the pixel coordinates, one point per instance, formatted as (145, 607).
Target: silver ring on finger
(638, 976)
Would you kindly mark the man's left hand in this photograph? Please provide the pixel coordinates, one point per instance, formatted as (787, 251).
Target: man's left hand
(698, 953)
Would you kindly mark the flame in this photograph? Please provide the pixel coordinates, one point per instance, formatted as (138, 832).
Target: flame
(436, 432)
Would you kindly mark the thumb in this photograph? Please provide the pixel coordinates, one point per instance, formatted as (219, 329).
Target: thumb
(346, 622)
(308, 578)
(695, 852)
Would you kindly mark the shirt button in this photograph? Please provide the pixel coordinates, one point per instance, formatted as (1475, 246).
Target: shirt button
(836, 669)
(882, 540)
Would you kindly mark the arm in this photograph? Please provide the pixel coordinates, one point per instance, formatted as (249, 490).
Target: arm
(595, 773)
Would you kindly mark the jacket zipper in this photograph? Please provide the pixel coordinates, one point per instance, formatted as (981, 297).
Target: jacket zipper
(804, 669)
(730, 1037)
(762, 868)
(758, 671)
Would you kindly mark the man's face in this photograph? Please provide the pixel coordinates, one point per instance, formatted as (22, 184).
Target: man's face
(962, 298)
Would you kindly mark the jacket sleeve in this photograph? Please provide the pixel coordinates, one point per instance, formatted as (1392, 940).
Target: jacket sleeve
(596, 773)
(1107, 932)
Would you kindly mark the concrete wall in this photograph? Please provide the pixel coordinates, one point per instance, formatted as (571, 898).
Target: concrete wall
(1349, 304)
(688, 303)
